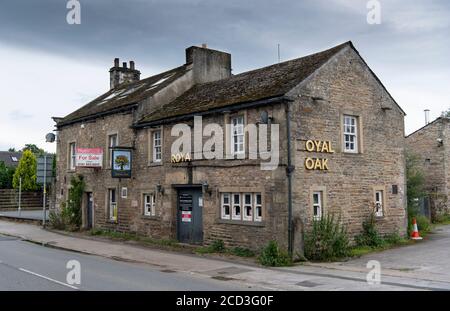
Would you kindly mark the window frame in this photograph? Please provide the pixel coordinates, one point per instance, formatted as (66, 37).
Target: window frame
(380, 201)
(246, 205)
(72, 156)
(154, 146)
(233, 134)
(234, 215)
(354, 134)
(109, 144)
(257, 218)
(151, 204)
(223, 205)
(112, 205)
(319, 205)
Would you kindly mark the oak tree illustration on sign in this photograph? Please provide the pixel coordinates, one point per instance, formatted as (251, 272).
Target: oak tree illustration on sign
(121, 161)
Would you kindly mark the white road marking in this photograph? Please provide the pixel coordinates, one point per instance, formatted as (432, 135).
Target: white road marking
(48, 279)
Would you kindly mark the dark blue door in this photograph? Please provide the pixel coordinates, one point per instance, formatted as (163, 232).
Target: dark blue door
(189, 216)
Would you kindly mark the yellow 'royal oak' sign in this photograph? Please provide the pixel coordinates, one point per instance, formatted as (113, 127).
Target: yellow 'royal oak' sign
(318, 146)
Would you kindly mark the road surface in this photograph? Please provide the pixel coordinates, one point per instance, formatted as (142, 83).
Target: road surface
(27, 266)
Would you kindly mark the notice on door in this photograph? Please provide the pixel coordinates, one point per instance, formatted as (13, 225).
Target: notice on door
(186, 216)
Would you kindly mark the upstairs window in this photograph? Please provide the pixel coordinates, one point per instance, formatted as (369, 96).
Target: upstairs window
(157, 146)
(350, 134)
(112, 142)
(237, 135)
(72, 156)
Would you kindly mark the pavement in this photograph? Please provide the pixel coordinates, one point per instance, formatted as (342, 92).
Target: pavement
(423, 266)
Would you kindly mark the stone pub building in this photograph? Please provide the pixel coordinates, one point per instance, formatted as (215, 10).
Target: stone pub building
(339, 133)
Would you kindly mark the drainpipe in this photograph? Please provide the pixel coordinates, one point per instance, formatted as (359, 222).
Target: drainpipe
(289, 171)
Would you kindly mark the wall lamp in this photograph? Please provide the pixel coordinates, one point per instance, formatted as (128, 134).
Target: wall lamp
(160, 188)
(205, 188)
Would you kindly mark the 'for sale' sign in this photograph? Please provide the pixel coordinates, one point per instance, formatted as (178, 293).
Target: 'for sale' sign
(89, 157)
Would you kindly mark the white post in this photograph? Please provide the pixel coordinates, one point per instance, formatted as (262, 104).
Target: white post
(20, 195)
(45, 188)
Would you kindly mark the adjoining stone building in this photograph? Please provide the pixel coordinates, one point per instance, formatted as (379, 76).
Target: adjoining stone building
(428, 148)
(340, 141)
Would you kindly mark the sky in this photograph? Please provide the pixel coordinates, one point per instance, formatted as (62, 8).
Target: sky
(50, 67)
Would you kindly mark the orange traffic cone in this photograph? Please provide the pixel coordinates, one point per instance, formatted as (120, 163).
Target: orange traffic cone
(415, 235)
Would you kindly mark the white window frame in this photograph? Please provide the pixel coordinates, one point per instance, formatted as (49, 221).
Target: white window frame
(234, 215)
(258, 206)
(224, 206)
(149, 205)
(112, 144)
(350, 130)
(72, 156)
(124, 193)
(246, 206)
(112, 205)
(14, 159)
(317, 205)
(156, 148)
(238, 133)
(379, 197)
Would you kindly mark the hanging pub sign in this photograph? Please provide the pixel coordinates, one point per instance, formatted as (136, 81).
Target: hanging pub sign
(121, 163)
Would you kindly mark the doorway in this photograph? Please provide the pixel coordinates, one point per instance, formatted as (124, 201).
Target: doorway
(190, 215)
(89, 210)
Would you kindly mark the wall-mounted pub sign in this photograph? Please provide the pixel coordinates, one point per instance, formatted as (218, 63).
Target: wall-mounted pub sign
(121, 163)
(318, 146)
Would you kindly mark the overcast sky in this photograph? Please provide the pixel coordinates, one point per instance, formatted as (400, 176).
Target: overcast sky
(50, 68)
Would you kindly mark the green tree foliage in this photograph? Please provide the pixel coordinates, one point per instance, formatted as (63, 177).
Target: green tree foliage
(27, 170)
(34, 149)
(12, 149)
(75, 199)
(6, 176)
(446, 113)
(414, 184)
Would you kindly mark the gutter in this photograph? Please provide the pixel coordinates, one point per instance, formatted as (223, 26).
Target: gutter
(244, 105)
(289, 172)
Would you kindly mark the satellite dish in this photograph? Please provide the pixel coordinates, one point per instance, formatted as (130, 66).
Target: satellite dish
(50, 138)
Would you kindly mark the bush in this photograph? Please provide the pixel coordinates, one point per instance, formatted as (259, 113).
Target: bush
(27, 171)
(218, 246)
(370, 236)
(393, 238)
(61, 220)
(242, 252)
(274, 257)
(327, 240)
(74, 203)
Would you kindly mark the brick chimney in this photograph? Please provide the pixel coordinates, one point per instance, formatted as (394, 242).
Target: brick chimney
(208, 65)
(119, 75)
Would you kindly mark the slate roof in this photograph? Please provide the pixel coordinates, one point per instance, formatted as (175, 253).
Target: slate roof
(123, 96)
(268, 82)
(7, 158)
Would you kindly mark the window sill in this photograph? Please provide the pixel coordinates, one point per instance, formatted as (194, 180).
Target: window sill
(113, 222)
(241, 222)
(152, 164)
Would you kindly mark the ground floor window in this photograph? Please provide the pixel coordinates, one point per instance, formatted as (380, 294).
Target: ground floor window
(112, 204)
(241, 206)
(379, 203)
(317, 205)
(149, 204)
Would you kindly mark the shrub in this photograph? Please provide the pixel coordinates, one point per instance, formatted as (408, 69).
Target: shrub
(27, 171)
(218, 246)
(327, 240)
(393, 238)
(61, 220)
(6, 176)
(274, 257)
(242, 252)
(370, 236)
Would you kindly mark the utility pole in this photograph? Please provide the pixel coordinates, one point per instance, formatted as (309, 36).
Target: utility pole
(45, 190)
(20, 195)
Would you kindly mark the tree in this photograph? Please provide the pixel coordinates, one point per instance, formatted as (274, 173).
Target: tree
(6, 176)
(12, 149)
(27, 170)
(446, 113)
(34, 149)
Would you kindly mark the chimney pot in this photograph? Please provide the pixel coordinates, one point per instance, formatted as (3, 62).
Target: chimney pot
(427, 116)
(124, 65)
(116, 62)
(131, 65)
(204, 45)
